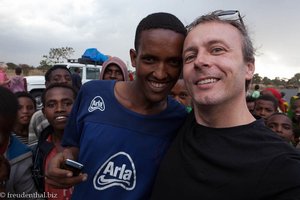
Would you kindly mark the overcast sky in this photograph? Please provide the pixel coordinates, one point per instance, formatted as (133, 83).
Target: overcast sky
(29, 28)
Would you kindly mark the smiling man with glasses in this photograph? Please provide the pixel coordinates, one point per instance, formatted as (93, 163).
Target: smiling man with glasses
(222, 151)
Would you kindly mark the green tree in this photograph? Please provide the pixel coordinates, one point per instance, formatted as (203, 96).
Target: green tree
(278, 81)
(295, 80)
(57, 55)
(266, 81)
(11, 65)
(44, 65)
(256, 79)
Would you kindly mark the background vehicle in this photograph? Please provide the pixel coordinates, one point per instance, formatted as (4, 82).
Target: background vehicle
(36, 84)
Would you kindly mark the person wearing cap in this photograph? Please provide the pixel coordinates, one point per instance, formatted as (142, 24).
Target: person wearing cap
(114, 69)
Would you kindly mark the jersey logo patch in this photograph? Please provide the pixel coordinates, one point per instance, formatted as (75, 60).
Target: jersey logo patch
(118, 170)
(97, 104)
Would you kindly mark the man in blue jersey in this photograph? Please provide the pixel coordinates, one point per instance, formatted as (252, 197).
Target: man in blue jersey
(120, 130)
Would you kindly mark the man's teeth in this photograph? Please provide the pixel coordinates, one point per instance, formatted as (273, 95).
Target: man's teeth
(60, 117)
(158, 85)
(205, 81)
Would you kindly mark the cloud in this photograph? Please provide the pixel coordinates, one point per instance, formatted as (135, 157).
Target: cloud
(28, 29)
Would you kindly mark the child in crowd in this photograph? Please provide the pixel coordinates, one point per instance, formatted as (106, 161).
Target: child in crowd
(18, 83)
(290, 109)
(58, 101)
(56, 74)
(295, 107)
(27, 106)
(256, 92)
(281, 124)
(17, 153)
(180, 93)
(295, 116)
(250, 103)
(282, 105)
(265, 106)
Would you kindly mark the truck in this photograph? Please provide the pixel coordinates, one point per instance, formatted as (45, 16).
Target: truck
(36, 84)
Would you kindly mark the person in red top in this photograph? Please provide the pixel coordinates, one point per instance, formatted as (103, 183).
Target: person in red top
(58, 101)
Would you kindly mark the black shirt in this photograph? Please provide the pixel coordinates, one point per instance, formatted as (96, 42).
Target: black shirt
(238, 163)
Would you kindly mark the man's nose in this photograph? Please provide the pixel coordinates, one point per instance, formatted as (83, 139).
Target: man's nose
(160, 71)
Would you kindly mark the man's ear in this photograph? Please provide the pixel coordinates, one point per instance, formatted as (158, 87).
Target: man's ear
(133, 55)
(250, 68)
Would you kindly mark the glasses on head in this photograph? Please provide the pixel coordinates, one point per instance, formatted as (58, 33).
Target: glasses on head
(230, 15)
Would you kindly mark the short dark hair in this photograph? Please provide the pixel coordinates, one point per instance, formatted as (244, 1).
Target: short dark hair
(279, 113)
(55, 67)
(158, 20)
(26, 94)
(8, 103)
(268, 97)
(18, 70)
(57, 85)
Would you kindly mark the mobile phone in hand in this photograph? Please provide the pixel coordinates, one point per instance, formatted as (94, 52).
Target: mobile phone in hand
(73, 166)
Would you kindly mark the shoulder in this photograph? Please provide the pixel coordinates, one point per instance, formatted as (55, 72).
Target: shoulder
(97, 83)
(100, 82)
(176, 108)
(96, 87)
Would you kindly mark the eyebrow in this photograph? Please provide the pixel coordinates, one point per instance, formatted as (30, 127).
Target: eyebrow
(209, 43)
(192, 48)
(55, 100)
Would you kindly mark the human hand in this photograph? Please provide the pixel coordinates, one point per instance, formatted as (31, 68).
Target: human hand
(58, 177)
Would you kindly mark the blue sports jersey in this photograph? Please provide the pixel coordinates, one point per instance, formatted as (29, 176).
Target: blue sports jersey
(120, 149)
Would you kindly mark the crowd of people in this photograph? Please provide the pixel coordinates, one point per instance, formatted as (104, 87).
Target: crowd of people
(277, 113)
(185, 127)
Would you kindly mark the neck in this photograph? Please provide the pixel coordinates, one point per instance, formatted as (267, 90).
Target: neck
(57, 135)
(223, 116)
(130, 96)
